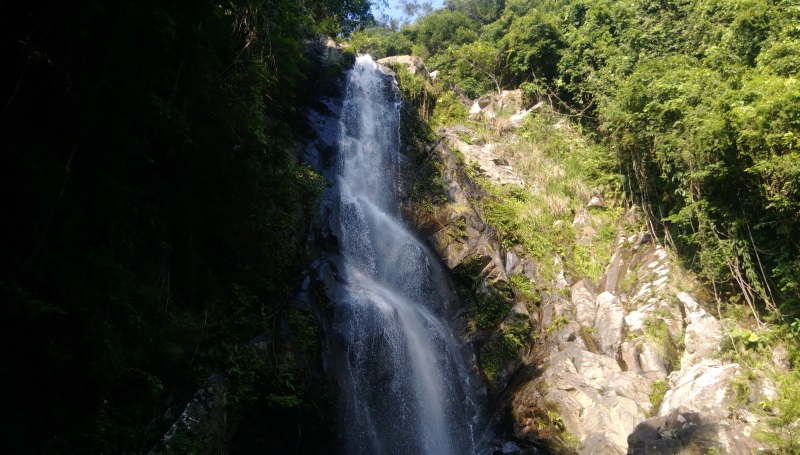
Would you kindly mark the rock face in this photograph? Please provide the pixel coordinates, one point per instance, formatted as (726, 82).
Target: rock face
(413, 63)
(597, 401)
(624, 335)
(608, 349)
(463, 233)
(486, 158)
(205, 414)
(609, 341)
(695, 415)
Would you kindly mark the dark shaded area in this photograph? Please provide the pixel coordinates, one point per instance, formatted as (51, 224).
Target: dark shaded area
(678, 431)
(154, 215)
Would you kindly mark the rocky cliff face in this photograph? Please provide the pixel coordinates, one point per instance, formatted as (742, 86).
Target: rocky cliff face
(623, 365)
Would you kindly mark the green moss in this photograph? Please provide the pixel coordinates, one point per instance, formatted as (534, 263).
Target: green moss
(486, 310)
(495, 356)
(782, 433)
(660, 388)
(522, 285)
(487, 304)
(740, 389)
(415, 89)
(557, 325)
(460, 228)
(518, 331)
(657, 331)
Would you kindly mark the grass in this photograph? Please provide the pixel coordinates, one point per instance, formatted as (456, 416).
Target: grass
(563, 171)
(657, 393)
(522, 284)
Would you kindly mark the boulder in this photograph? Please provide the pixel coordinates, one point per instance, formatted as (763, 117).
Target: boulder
(493, 104)
(780, 358)
(703, 339)
(686, 431)
(584, 294)
(600, 443)
(609, 321)
(597, 202)
(651, 361)
(612, 273)
(629, 357)
(598, 402)
(413, 63)
(702, 388)
(517, 119)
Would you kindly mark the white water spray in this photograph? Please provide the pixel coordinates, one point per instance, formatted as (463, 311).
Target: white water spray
(403, 378)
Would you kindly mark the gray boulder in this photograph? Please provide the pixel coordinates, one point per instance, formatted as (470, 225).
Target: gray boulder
(413, 63)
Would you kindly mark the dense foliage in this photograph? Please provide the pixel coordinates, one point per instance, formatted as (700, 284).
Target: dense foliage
(153, 214)
(697, 100)
(696, 104)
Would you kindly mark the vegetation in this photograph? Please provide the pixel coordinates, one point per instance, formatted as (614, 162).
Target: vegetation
(660, 388)
(155, 217)
(688, 109)
(688, 97)
(487, 305)
(562, 172)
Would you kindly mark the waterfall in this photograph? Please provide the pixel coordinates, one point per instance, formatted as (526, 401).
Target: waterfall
(405, 385)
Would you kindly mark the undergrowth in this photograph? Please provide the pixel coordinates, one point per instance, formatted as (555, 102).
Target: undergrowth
(549, 216)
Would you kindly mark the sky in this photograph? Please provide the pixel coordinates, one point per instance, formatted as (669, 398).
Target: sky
(395, 12)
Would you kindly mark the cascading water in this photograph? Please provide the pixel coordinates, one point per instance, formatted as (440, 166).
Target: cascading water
(405, 384)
